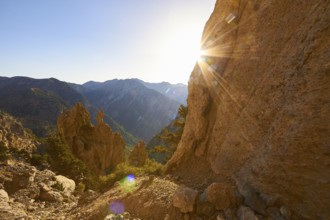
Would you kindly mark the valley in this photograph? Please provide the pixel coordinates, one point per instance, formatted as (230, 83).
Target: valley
(247, 139)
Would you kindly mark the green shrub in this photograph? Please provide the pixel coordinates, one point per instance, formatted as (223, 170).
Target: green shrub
(58, 186)
(124, 169)
(63, 161)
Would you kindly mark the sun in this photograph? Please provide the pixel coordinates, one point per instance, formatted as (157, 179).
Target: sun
(179, 51)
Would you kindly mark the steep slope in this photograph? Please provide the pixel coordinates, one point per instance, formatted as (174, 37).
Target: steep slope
(178, 92)
(259, 105)
(38, 102)
(141, 111)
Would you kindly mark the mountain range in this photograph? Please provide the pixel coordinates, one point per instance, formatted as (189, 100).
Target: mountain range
(136, 109)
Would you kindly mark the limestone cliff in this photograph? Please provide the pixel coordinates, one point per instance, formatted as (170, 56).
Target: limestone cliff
(97, 146)
(259, 104)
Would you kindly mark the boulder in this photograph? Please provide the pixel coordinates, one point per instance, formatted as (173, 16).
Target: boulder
(10, 209)
(139, 155)
(3, 196)
(22, 176)
(68, 184)
(221, 195)
(48, 194)
(184, 198)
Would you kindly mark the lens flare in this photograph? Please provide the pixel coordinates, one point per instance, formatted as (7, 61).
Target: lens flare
(117, 207)
(128, 184)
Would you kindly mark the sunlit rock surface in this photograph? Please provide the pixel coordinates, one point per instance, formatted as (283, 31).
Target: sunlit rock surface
(259, 104)
(14, 136)
(97, 146)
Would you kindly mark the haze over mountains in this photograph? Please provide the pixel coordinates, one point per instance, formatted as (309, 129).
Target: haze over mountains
(136, 109)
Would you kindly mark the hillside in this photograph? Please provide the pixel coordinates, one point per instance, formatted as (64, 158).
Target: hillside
(178, 92)
(255, 144)
(38, 102)
(141, 111)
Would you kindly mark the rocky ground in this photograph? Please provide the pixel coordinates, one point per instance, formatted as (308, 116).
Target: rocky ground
(28, 193)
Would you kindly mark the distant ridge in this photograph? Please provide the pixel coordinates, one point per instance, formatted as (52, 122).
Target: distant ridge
(141, 110)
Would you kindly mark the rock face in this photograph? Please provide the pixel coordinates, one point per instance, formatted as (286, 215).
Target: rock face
(258, 103)
(13, 135)
(97, 146)
(139, 155)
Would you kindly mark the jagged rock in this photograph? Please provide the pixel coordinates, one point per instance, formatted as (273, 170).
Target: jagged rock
(68, 184)
(3, 196)
(14, 136)
(10, 210)
(139, 155)
(98, 146)
(245, 213)
(259, 104)
(22, 176)
(221, 195)
(47, 194)
(45, 175)
(184, 198)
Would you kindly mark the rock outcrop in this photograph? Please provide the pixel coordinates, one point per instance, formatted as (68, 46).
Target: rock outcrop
(28, 193)
(97, 146)
(139, 155)
(14, 136)
(259, 103)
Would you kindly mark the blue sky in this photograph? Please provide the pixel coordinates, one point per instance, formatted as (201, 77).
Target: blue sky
(82, 40)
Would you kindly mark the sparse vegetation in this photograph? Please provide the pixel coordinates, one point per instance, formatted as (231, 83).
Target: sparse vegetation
(4, 152)
(58, 186)
(170, 136)
(62, 160)
(124, 169)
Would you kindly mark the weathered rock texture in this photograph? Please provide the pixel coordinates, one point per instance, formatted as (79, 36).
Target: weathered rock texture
(97, 146)
(259, 103)
(14, 136)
